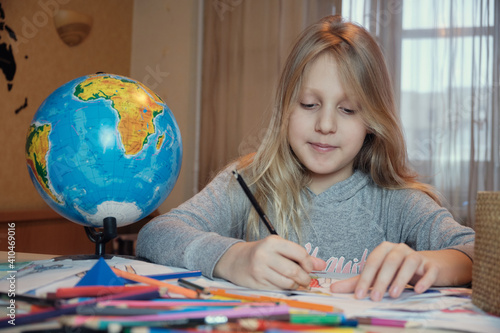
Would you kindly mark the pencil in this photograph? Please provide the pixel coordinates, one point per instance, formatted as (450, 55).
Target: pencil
(169, 303)
(190, 285)
(256, 324)
(254, 202)
(93, 291)
(152, 282)
(33, 300)
(387, 322)
(91, 310)
(287, 301)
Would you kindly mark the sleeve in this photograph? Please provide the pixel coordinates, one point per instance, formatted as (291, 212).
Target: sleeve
(425, 225)
(197, 233)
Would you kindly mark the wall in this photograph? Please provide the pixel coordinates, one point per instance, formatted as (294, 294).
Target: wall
(165, 51)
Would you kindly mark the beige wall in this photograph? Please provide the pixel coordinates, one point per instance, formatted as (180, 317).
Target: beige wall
(44, 63)
(164, 57)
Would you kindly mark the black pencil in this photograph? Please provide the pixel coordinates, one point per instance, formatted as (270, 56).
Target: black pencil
(254, 202)
(190, 285)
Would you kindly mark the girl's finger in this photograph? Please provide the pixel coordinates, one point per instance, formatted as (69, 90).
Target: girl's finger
(428, 279)
(371, 268)
(406, 272)
(400, 256)
(345, 286)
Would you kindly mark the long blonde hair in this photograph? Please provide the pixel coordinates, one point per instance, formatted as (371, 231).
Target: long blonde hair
(277, 174)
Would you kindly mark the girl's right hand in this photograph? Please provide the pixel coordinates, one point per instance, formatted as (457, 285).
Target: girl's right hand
(270, 263)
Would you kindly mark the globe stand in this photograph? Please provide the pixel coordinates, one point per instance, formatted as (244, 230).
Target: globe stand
(101, 238)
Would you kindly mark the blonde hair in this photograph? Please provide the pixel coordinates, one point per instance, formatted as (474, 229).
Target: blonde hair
(277, 174)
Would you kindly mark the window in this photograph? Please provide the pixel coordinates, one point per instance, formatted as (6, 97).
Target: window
(445, 83)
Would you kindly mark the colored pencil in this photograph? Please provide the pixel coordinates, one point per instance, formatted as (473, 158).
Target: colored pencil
(157, 330)
(254, 202)
(386, 322)
(93, 291)
(169, 303)
(331, 319)
(193, 286)
(146, 280)
(290, 302)
(91, 310)
(320, 330)
(33, 300)
(69, 309)
(254, 324)
(175, 275)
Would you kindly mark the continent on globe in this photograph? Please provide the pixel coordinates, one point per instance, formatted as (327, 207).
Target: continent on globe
(37, 148)
(136, 119)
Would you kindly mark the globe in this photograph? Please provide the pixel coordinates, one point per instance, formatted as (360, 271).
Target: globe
(103, 146)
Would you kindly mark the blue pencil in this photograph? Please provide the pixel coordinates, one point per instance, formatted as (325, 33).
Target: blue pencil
(167, 276)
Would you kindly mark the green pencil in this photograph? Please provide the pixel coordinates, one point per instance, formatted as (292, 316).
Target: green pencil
(330, 319)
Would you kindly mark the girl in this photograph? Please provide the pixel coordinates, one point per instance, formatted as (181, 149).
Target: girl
(332, 175)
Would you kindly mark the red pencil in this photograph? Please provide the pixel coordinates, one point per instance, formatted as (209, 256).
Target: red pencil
(93, 291)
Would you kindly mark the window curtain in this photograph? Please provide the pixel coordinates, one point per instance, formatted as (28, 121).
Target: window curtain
(444, 60)
(245, 44)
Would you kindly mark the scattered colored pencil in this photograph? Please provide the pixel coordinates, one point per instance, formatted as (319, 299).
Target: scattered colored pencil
(387, 322)
(169, 318)
(69, 309)
(171, 303)
(146, 280)
(289, 302)
(93, 291)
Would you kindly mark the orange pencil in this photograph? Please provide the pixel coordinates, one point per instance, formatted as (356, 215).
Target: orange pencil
(289, 302)
(144, 279)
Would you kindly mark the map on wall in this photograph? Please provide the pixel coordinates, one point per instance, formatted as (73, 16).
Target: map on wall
(7, 59)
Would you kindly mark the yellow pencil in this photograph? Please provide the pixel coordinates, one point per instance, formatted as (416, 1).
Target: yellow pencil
(152, 282)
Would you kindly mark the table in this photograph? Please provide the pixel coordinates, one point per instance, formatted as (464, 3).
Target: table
(51, 324)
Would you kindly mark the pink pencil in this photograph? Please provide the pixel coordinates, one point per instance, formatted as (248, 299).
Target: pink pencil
(387, 322)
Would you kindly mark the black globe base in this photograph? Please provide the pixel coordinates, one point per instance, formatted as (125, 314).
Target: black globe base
(100, 238)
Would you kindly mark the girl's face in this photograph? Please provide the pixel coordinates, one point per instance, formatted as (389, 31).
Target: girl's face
(325, 131)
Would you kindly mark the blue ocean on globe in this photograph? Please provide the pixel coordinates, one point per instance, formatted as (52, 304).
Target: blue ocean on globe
(103, 146)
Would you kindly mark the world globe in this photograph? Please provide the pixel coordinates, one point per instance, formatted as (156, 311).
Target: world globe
(103, 146)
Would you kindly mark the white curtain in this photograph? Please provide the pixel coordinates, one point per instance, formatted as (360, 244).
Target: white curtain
(444, 59)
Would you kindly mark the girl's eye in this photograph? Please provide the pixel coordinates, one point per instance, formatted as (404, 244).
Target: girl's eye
(347, 111)
(307, 106)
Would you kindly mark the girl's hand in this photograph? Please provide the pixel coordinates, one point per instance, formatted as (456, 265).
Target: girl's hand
(270, 263)
(390, 267)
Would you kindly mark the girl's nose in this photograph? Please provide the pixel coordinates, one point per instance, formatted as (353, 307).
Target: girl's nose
(327, 121)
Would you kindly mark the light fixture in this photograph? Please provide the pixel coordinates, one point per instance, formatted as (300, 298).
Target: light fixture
(72, 27)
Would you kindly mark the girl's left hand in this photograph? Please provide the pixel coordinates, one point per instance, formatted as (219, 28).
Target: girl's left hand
(390, 267)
